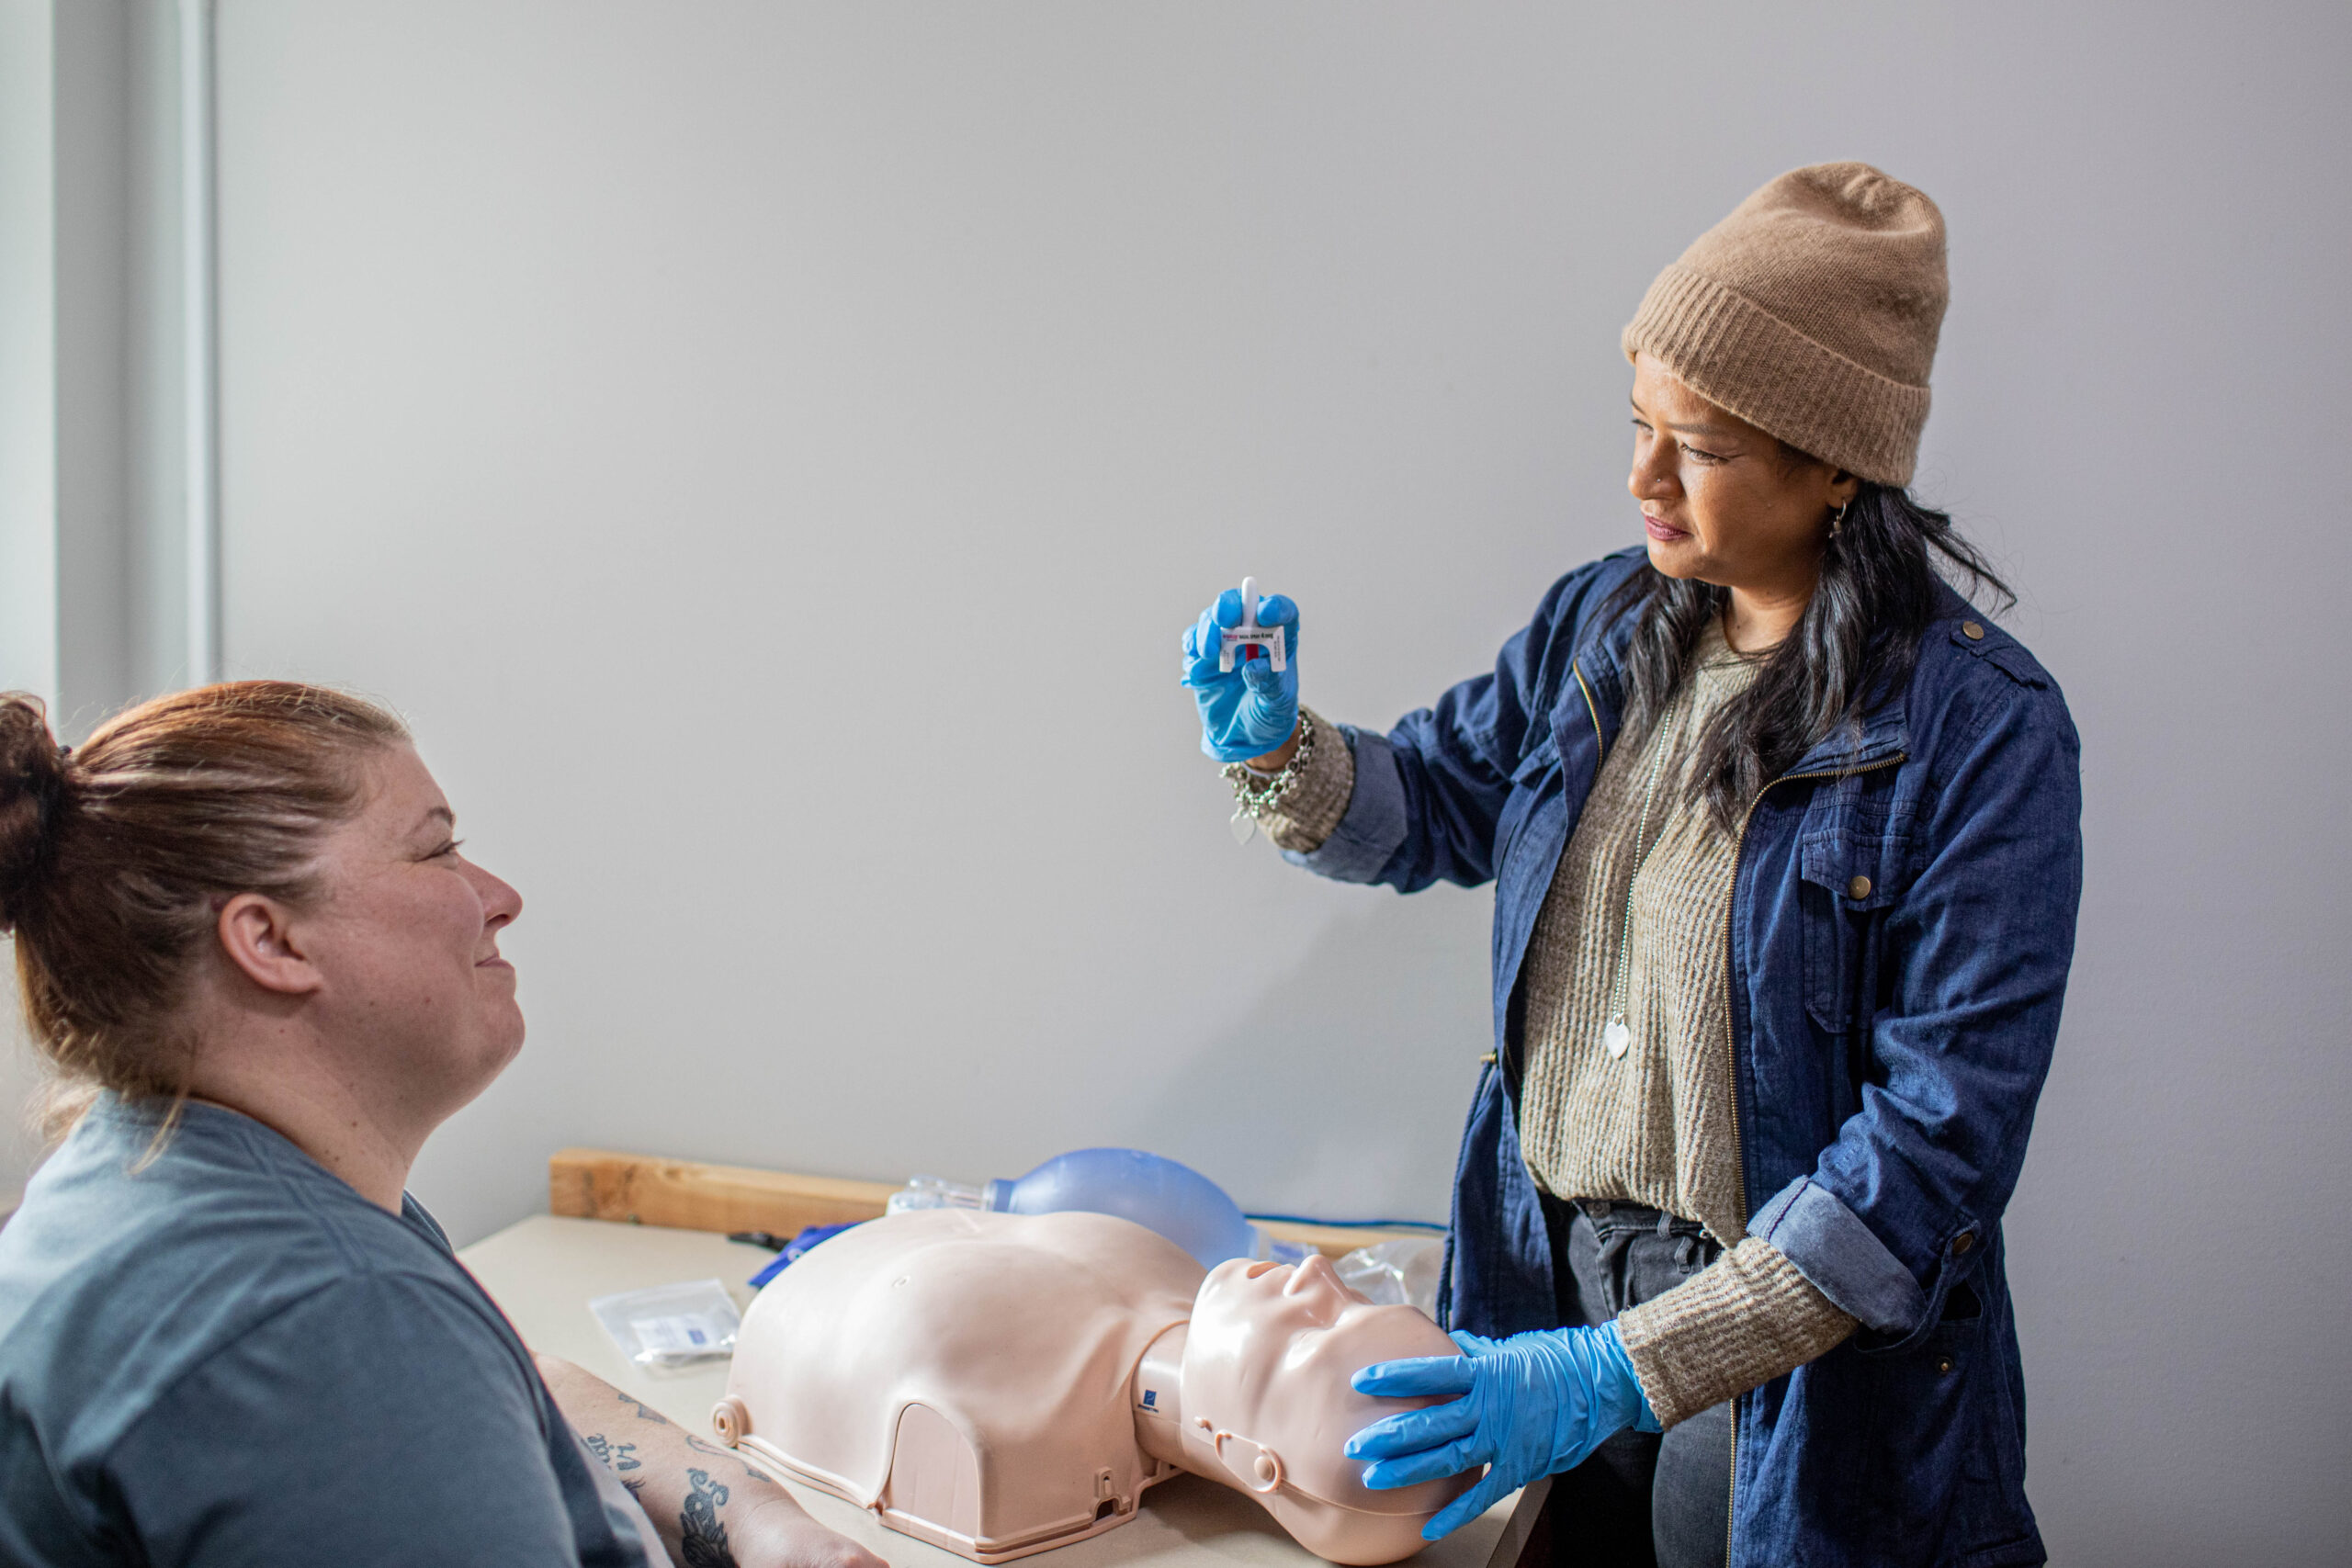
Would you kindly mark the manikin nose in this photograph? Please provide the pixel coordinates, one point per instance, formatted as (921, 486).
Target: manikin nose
(1316, 1271)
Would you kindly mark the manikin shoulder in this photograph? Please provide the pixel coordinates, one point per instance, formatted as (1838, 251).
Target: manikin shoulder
(1016, 1336)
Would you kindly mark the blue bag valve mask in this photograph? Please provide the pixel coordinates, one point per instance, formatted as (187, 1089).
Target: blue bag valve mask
(1151, 1190)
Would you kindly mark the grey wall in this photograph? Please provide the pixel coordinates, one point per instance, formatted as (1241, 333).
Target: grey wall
(770, 450)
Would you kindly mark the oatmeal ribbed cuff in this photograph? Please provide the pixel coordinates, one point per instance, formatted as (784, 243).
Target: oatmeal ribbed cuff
(1744, 1319)
(1310, 813)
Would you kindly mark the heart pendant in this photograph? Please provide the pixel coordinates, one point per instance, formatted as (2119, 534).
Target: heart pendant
(1616, 1037)
(1244, 826)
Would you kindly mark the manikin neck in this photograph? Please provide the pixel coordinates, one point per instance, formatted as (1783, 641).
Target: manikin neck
(1155, 1395)
(1191, 1441)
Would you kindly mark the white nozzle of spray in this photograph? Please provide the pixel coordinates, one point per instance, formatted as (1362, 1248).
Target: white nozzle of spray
(1249, 633)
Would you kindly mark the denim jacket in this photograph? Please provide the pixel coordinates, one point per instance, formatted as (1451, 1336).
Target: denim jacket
(1902, 921)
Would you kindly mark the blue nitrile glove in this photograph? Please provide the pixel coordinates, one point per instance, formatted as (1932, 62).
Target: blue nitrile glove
(1532, 1405)
(1248, 710)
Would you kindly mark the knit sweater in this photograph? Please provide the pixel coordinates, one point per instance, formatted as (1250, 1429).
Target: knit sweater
(1652, 1125)
(1655, 1124)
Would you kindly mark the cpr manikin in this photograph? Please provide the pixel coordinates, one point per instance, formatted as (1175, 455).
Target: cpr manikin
(998, 1384)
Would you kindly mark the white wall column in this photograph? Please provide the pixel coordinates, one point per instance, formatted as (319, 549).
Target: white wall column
(199, 352)
(109, 580)
(66, 354)
(29, 466)
(95, 590)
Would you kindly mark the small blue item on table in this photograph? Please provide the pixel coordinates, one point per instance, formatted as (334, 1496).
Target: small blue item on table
(799, 1245)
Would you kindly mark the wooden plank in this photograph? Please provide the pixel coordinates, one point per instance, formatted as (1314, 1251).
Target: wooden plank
(606, 1184)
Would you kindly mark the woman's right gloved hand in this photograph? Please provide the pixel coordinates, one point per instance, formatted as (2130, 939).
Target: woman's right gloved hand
(1248, 710)
(1532, 1405)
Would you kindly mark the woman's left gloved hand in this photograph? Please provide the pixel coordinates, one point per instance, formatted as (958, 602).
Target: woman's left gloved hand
(1248, 710)
(1532, 1405)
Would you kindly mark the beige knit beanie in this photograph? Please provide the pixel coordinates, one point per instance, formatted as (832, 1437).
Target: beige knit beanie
(1811, 312)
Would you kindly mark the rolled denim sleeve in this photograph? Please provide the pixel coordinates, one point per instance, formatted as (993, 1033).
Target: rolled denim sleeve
(1838, 1255)
(1902, 1204)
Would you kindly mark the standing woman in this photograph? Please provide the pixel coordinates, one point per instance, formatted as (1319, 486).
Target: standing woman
(1786, 845)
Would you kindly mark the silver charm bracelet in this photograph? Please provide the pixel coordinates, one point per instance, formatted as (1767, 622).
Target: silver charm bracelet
(1255, 794)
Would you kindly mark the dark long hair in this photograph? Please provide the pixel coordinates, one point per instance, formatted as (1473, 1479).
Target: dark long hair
(1856, 642)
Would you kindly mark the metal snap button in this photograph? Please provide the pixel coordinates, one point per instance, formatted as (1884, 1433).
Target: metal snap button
(1943, 1366)
(1962, 1243)
(1971, 631)
(1858, 888)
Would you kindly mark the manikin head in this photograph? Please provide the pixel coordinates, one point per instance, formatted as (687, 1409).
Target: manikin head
(1266, 1395)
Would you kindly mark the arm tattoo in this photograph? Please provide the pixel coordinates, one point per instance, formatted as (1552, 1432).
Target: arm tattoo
(701, 1538)
(644, 1411)
(620, 1456)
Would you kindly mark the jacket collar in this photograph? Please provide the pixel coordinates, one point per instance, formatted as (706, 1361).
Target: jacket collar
(1884, 735)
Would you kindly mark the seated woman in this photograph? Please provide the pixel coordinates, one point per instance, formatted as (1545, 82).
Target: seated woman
(252, 952)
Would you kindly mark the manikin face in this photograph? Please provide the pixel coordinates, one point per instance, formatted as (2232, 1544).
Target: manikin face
(414, 994)
(1267, 1364)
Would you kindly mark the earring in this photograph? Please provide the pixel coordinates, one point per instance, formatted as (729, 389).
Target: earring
(1837, 521)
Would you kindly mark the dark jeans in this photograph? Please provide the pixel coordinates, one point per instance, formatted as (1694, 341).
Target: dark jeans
(1642, 1499)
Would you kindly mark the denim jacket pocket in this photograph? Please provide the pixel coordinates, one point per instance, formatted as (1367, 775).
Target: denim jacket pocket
(1944, 1462)
(1848, 881)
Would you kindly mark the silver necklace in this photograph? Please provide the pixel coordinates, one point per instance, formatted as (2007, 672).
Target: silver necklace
(1617, 1036)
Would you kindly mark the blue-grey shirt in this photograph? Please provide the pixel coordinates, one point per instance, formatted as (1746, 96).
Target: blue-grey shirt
(228, 1356)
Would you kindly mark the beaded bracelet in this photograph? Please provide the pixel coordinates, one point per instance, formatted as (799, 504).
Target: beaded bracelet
(1255, 794)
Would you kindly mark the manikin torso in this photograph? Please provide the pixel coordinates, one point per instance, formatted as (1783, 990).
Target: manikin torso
(998, 1384)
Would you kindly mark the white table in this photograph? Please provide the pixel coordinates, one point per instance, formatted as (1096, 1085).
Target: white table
(543, 1272)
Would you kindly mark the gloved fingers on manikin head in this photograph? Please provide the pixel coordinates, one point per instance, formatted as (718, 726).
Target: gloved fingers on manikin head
(1269, 1360)
(1491, 1489)
(1530, 1405)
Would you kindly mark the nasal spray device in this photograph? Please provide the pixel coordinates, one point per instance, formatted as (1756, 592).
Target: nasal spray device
(1241, 644)
(1250, 634)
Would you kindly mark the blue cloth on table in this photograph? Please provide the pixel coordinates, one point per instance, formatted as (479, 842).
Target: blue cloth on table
(808, 1236)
